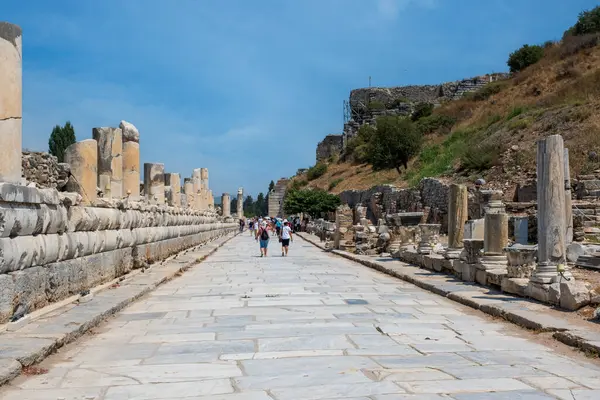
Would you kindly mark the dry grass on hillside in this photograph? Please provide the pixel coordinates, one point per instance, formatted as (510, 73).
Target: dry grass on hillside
(558, 95)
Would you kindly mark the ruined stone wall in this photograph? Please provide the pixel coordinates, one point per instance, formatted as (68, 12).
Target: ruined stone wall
(44, 170)
(331, 146)
(276, 197)
(52, 247)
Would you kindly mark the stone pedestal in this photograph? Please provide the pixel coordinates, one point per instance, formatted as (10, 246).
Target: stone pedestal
(429, 237)
(131, 160)
(188, 189)
(83, 159)
(11, 100)
(490, 202)
(110, 161)
(493, 262)
(154, 183)
(458, 211)
(469, 259)
(226, 204)
(173, 181)
(240, 203)
(551, 210)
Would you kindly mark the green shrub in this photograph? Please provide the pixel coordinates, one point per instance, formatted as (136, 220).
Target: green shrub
(297, 184)
(316, 172)
(435, 123)
(335, 183)
(524, 57)
(493, 119)
(588, 22)
(487, 91)
(515, 112)
(399, 101)
(376, 106)
(479, 157)
(395, 142)
(422, 110)
(357, 147)
(521, 123)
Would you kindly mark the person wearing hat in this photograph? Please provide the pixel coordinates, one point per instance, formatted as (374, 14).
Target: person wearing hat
(262, 235)
(286, 236)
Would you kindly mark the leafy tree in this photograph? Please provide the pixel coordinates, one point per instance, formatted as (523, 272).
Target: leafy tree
(271, 186)
(524, 57)
(260, 205)
(394, 142)
(249, 206)
(60, 139)
(312, 202)
(588, 22)
(358, 146)
(422, 110)
(233, 205)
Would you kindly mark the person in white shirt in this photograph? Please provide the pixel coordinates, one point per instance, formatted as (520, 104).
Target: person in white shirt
(286, 236)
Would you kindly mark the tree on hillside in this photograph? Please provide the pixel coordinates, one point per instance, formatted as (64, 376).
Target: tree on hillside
(271, 186)
(524, 57)
(312, 202)
(260, 206)
(395, 141)
(60, 139)
(588, 22)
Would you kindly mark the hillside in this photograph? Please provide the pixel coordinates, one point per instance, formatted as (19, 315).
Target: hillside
(495, 129)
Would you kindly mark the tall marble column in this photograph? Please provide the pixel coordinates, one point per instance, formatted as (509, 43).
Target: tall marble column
(458, 214)
(110, 161)
(568, 202)
(226, 204)
(196, 180)
(173, 181)
(240, 203)
(550, 209)
(154, 183)
(188, 189)
(83, 159)
(131, 160)
(11, 102)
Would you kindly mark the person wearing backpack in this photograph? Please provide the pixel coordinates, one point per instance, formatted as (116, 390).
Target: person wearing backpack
(262, 234)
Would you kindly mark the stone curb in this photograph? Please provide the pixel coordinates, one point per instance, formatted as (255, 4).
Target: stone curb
(37, 341)
(498, 304)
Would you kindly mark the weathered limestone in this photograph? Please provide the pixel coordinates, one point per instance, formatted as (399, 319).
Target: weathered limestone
(110, 161)
(474, 229)
(173, 182)
(458, 214)
(83, 158)
(550, 209)
(211, 200)
(154, 183)
(188, 190)
(240, 203)
(131, 160)
(493, 263)
(11, 100)
(343, 226)
(469, 259)
(429, 237)
(521, 264)
(226, 205)
(197, 182)
(204, 178)
(568, 203)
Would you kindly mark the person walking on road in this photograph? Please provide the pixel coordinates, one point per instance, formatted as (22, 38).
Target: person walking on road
(251, 227)
(262, 235)
(286, 236)
(242, 223)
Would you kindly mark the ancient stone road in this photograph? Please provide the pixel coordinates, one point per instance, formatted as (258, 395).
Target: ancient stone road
(310, 326)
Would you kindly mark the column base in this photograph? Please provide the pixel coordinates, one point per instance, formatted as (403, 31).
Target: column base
(452, 253)
(425, 248)
(544, 292)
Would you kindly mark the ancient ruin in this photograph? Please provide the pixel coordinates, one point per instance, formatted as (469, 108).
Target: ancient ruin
(276, 198)
(86, 223)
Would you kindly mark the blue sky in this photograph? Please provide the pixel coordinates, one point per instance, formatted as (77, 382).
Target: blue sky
(248, 88)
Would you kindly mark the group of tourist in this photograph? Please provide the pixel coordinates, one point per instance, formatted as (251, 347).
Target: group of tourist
(262, 229)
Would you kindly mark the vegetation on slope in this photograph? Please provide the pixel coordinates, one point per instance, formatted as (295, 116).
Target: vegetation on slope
(492, 133)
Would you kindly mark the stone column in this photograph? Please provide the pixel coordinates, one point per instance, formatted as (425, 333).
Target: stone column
(83, 159)
(211, 200)
(173, 181)
(429, 237)
(204, 178)
(154, 183)
(550, 209)
(458, 214)
(11, 102)
(240, 203)
(110, 161)
(131, 160)
(495, 239)
(188, 189)
(226, 205)
(196, 180)
(568, 203)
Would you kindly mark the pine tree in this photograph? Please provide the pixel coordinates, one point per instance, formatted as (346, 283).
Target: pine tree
(60, 139)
